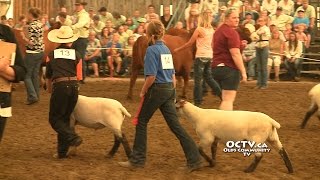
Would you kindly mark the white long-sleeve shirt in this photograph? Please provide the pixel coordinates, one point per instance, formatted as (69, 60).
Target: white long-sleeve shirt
(293, 52)
(270, 6)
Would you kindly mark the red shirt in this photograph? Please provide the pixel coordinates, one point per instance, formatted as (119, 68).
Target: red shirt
(225, 38)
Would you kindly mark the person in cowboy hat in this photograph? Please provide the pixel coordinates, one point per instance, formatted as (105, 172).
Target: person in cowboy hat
(62, 83)
(82, 25)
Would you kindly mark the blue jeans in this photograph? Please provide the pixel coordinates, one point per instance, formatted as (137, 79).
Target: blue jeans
(294, 68)
(161, 96)
(250, 67)
(202, 71)
(80, 45)
(262, 55)
(31, 81)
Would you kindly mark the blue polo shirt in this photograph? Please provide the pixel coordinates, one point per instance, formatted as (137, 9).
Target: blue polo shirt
(153, 64)
(117, 45)
(298, 20)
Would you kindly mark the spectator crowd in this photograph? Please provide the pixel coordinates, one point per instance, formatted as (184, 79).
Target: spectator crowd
(281, 32)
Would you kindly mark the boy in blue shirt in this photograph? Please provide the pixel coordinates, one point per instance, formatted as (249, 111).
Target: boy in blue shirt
(114, 54)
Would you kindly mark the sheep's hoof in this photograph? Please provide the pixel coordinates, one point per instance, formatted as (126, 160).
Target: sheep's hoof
(212, 164)
(72, 151)
(248, 170)
(109, 156)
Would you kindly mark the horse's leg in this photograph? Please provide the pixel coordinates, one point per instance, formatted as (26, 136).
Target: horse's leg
(185, 86)
(133, 78)
(179, 81)
(313, 108)
(115, 147)
(126, 145)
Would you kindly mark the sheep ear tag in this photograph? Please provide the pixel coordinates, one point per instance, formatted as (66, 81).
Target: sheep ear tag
(167, 61)
(182, 103)
(177, 104)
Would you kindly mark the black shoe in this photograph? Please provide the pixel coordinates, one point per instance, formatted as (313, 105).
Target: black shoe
(31, 102)
(76, 142)
(57, 156)
(128, 164)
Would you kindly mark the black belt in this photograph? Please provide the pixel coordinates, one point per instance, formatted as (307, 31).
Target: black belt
(164, 85)
(64, 79)
(262, 40)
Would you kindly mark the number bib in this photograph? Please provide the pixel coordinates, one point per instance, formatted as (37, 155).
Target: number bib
(167, 61)
(64, 54)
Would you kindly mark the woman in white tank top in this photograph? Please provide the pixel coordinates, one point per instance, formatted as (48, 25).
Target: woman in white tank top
(202, 71)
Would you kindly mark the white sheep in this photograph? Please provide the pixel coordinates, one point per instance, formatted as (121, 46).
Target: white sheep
(217, 125)
(314, 94)
(97, 113)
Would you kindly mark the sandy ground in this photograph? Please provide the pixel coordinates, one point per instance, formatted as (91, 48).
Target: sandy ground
(29, 142)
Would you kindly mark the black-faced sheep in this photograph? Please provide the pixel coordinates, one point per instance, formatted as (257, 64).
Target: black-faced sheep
(217, 125)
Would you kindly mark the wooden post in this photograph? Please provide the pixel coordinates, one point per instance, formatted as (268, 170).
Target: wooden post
(171, 8)
(161, 8)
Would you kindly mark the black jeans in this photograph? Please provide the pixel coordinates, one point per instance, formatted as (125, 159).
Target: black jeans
(62, 102)
(80, 45)
(161, 96)
(3, 121)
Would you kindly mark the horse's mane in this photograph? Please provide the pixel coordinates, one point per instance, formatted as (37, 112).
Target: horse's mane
(180, 32)
(244, 33)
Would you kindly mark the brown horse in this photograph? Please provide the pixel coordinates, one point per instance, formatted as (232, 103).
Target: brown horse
(182, 60)
(49, 46)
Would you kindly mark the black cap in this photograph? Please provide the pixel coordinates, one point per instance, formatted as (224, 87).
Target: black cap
(78, 2)
(279, 8)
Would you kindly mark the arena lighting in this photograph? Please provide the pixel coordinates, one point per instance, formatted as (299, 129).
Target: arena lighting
(5, 1)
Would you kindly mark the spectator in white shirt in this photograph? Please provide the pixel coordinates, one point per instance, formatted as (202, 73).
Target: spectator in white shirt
(270, 6)
(287, 6)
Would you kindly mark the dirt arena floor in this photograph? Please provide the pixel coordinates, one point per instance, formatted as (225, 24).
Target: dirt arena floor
(29, 142)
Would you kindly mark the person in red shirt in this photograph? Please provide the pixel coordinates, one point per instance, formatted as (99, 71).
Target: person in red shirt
(227, 65)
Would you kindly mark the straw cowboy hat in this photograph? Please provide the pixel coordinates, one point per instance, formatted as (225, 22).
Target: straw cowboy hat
(63, 35)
